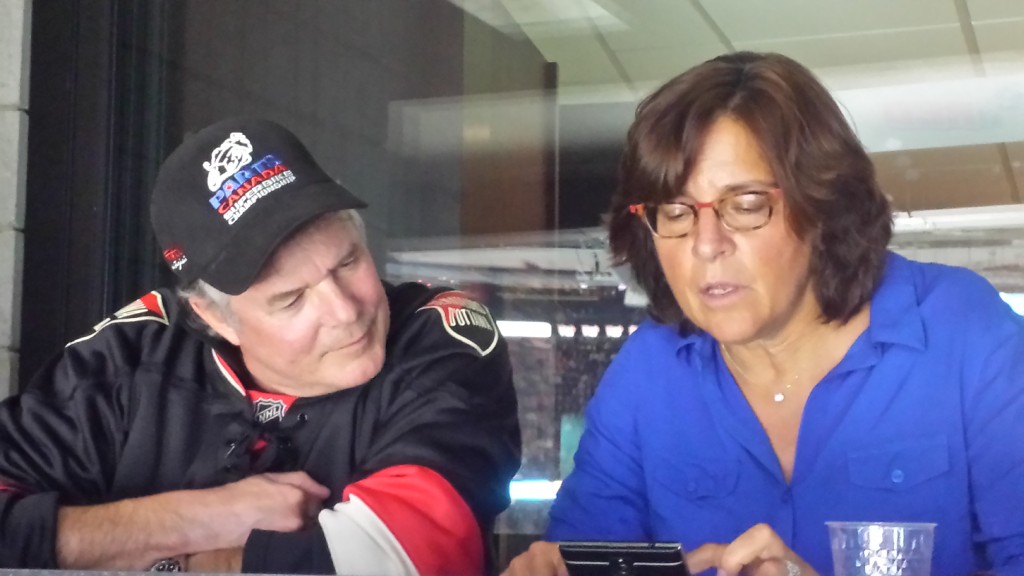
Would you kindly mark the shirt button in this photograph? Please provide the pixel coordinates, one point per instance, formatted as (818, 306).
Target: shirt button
(787, 496)
(897, 476)
(691, 487)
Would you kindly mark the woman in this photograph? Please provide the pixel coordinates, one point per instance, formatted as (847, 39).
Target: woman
(795, 371)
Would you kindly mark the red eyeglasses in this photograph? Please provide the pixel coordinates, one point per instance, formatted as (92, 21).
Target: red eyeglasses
(738, 211)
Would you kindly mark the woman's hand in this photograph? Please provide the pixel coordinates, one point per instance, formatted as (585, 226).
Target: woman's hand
(542, 559)
(757, 552)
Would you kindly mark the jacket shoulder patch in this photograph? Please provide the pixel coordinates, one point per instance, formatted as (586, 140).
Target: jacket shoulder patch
(466, 320)
(149, 307)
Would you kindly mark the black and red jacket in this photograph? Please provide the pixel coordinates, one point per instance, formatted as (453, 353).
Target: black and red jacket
(145, 404)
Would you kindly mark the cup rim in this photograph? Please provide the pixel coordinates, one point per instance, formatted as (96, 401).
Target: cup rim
(861, 524)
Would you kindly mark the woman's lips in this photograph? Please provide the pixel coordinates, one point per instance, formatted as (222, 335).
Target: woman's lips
(720, 293)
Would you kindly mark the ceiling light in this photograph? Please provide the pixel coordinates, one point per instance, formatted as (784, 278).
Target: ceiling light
(524, 329)
(974, 218)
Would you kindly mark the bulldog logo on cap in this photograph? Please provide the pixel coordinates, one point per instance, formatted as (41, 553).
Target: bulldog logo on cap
(226, 159)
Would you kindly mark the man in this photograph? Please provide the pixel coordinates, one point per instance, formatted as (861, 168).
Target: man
(286, 412)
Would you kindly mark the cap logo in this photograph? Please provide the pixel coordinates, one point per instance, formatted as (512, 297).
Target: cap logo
(248, 185)
(226, 159)
(175, 258)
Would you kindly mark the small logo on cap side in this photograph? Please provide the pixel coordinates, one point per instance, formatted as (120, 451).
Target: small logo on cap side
(226, 159)
(175, 258)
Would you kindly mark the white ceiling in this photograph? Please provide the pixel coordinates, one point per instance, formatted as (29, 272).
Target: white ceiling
(640, 42)
(935, 89)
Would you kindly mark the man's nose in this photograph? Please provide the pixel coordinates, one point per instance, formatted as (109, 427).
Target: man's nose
(338, 303)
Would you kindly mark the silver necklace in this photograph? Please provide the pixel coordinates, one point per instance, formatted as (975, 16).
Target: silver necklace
(781, 395)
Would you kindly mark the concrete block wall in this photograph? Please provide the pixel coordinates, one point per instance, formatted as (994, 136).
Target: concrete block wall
(14, 57)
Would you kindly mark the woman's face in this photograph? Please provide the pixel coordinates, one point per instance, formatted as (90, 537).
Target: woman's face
(740, 287)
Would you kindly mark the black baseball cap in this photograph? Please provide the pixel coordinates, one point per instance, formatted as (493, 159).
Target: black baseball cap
(231, 194)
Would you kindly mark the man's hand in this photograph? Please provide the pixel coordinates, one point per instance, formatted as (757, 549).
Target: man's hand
(757, 552)
(133, 534)
(542, 559)
(216, 562)
(282, 502)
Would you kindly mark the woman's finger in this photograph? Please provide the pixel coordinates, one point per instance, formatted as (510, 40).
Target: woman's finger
(707, 556)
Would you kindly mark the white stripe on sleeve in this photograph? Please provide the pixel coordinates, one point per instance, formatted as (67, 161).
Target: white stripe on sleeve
(361, 544)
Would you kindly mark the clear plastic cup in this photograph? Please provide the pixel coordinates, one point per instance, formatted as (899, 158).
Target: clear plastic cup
(881, 548)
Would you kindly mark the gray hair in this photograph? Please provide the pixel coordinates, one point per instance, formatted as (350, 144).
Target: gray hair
(220, 301)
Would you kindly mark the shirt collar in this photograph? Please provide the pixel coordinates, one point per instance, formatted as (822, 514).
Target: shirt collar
(227, 363)
(895, 314)
(698, 342)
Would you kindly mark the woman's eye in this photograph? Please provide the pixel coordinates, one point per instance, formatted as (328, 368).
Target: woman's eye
(748, 203)
(674, 211)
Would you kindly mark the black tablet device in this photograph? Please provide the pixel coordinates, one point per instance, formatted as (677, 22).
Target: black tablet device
(623, 559)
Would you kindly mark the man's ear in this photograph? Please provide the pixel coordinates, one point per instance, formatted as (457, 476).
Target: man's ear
(214, 318)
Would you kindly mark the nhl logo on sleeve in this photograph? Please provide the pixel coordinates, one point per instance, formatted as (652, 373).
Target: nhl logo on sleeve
(465, 320)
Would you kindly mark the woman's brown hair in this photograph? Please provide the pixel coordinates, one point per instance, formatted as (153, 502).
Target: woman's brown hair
(828, 181)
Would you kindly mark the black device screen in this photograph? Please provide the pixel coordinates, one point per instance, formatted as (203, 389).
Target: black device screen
(623, 559)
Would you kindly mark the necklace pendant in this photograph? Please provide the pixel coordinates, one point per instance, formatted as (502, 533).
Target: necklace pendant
(779, 396)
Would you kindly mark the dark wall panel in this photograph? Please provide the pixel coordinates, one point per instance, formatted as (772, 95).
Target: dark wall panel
(94, 134)
(588, 164)
(116, 84)
(330, 70)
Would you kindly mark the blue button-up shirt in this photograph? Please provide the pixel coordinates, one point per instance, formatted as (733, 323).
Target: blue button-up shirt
(921, 421)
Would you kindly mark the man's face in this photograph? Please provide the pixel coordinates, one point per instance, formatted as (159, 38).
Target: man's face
(317, 319)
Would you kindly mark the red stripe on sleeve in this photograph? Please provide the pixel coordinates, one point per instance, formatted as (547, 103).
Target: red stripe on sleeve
(11, 487)
(427, 517)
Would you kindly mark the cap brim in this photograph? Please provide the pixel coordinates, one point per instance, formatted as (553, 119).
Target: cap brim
(246, 253)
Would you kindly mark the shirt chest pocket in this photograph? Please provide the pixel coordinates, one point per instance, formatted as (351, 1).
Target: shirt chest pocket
(693, 501)
(901, 466)
(693, 480)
